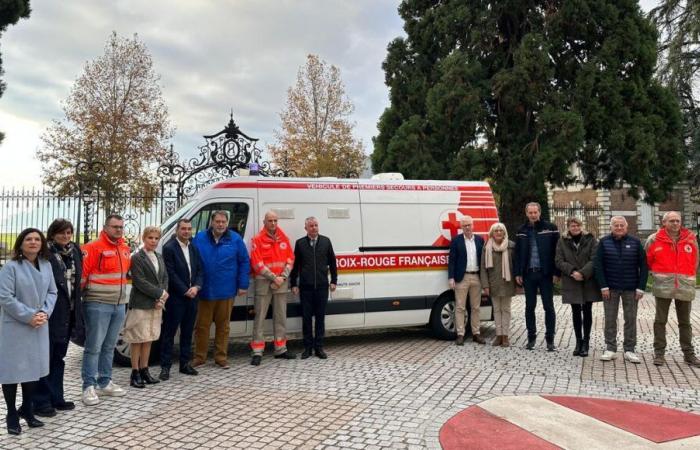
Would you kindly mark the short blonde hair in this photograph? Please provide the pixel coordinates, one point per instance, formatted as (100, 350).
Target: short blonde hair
(498, 226)
(571, 220)
(151, 230)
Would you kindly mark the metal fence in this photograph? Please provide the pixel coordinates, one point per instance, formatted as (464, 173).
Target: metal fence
(21, 208)
(589, 215)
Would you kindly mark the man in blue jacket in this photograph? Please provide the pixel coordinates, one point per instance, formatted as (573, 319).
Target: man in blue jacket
(463, 274)
(226, 275)
(535, 248)
(185, 280)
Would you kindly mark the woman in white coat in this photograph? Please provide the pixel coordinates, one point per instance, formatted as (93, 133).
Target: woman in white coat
(27, 298)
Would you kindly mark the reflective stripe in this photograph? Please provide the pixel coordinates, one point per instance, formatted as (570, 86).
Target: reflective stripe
(257, 345)
(280, 343)
(108, 276)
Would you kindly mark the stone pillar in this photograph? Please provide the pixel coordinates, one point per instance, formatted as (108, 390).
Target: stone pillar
(603, 202)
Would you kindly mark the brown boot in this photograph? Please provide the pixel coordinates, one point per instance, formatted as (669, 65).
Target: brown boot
(505, 342)
(498, 341)
(478, 339)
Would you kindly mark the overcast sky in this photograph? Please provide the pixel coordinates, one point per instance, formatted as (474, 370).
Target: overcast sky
(212, 55)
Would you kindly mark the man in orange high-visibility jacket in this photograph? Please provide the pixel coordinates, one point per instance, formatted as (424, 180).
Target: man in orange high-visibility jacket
(672, 255)
(272, 259)
(106, 261)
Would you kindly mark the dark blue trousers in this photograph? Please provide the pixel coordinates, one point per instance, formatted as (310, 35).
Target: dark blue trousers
(313, 304)
(49, 391)
(178, 313)
(533, 281)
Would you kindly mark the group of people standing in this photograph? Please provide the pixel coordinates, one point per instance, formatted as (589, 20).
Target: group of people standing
(51, 292)
(613, 270)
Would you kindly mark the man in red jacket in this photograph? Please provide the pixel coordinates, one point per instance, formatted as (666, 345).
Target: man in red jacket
(672, 256)
(272, 258)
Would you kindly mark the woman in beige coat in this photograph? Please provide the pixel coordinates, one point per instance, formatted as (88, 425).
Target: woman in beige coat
(497, 279)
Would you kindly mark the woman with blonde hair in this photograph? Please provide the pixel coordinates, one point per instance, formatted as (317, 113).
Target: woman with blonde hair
(497, 279)
(149, 279)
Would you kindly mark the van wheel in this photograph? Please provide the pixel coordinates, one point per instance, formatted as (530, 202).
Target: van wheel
(442, 317)
(122, 352)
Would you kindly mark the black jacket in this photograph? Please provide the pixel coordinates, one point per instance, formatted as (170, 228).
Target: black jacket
(180, 280)
(312, 264)
(547, 236)
(66, 323)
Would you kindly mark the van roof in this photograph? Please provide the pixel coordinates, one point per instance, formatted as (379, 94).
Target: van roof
(350, 183)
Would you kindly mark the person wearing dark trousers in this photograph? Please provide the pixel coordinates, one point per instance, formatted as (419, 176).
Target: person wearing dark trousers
(314, 258)
(535, 245)
(575, 252)
(66, 321)
(27, 298)
(184, 282)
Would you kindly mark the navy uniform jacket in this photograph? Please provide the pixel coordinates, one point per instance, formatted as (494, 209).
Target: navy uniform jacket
(457, 261)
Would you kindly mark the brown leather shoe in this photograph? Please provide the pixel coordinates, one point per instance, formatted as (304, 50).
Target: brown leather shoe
(197, 363)
(692, 360)
(505, 342)
(223, 364)
(659, 360)
(478, 339)
(459, 340)
(498, 341)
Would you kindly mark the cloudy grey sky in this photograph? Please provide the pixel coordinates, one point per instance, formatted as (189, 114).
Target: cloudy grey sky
(212, 55)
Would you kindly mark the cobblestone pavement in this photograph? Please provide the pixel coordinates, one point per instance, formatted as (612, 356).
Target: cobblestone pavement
(386, 389)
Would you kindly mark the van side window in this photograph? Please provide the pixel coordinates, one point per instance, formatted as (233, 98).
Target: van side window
(238, 216)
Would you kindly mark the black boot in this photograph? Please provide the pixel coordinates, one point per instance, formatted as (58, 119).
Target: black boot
(146, 376)
(13, 426)
(584, 348)
(577, 349)
(136, 380)
(26, 412)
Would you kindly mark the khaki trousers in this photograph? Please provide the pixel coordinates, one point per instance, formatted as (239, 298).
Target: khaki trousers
(501, 315)
(264, 294)
(471, 286)
(219, 312)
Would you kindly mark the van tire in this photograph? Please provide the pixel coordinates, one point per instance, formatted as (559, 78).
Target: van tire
(442, 317)
(122, 352)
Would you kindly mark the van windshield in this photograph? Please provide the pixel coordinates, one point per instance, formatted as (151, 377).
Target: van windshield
(179, 214)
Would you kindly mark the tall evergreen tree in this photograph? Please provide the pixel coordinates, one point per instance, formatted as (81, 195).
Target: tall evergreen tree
(10, 12)
(522, 91)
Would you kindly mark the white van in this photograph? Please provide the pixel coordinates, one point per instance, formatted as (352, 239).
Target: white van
(391, 239)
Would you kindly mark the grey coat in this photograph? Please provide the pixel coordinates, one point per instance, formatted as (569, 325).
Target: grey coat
(147, 286)
(24, 291)
(492, 278)
(569, 259)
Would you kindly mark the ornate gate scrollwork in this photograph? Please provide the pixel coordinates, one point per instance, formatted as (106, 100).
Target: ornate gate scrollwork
(222, 156)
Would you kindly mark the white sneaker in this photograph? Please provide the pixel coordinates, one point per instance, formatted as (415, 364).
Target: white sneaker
(608, 355)
(90, 397)
(111, 390)
(632, 357)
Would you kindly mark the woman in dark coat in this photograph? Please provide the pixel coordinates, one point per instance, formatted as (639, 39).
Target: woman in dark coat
(27, 298)
(66, 322)
(574, 257)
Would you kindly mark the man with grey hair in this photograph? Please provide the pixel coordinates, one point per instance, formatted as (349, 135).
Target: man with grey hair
(314, 258)
(621, 271)
(672, 255)
(535, 250)
(463, 276)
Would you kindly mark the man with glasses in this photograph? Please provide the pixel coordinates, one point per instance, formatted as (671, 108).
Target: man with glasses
(106, 262)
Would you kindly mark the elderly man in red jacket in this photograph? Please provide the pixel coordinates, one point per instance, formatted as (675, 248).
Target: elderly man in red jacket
(672, 255)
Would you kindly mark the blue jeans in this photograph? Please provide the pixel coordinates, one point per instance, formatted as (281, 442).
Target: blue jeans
(102, 325)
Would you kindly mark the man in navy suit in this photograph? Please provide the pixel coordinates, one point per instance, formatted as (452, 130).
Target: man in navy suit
(463, 274)
(184, 282)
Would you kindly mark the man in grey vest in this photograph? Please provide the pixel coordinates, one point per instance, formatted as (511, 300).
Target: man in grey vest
(313, 259)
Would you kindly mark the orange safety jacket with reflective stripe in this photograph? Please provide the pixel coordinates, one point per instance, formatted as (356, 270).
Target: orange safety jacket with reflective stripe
(271, 256)
(105, 267)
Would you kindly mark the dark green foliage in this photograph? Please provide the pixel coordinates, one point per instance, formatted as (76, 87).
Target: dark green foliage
(518, 92)
(10, 12)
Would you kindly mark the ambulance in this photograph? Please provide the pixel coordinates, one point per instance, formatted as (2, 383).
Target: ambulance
(391, 238)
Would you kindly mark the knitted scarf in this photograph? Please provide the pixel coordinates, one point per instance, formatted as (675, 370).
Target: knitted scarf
(491, 247)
